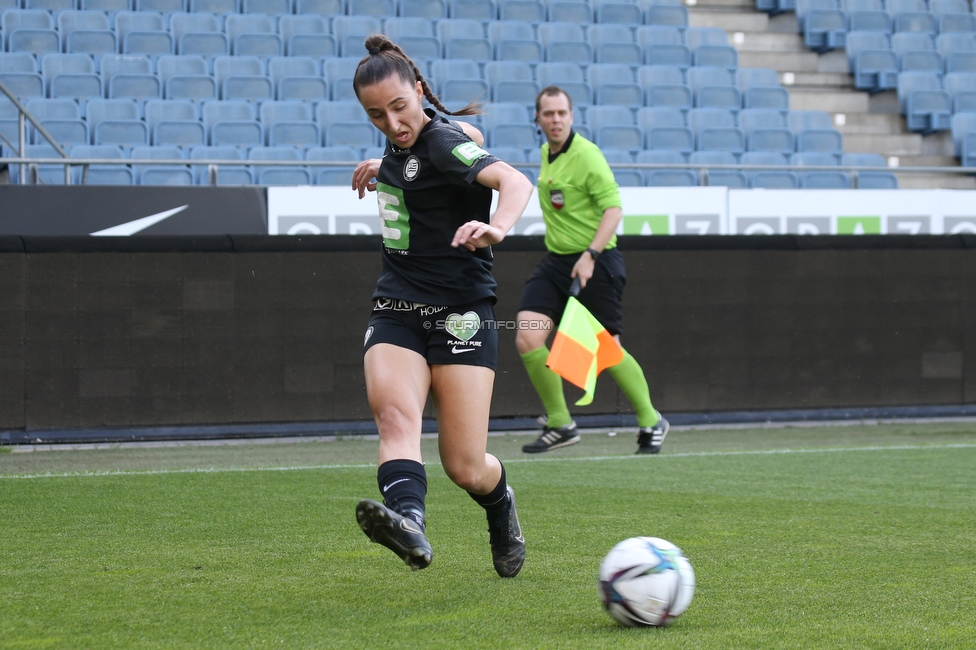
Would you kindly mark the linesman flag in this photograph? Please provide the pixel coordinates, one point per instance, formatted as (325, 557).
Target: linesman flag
(582, 348)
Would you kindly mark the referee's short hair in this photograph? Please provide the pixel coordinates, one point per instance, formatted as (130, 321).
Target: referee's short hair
(551, 91)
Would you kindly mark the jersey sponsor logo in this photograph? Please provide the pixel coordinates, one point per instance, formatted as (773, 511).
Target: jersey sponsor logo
(463, 326)
(456, 350)
(394, 217)
(411, 168)
(557, 198)
(468, 153)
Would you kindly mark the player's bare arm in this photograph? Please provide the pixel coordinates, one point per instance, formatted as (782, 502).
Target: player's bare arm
(514, 191)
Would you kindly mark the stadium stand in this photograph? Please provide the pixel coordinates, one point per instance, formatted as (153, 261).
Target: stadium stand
(274, 77)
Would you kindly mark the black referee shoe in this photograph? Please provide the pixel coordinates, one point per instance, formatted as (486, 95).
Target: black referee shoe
(650, 439)
(553, 439)
(400, 534)
(507, 542)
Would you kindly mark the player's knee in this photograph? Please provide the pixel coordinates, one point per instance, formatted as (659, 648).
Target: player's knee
(464, 475)
(392, 421)
(527, 340)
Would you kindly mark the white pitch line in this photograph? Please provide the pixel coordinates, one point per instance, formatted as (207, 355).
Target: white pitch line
(550, 459)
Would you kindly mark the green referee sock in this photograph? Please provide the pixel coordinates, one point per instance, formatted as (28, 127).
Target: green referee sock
(549, 385)
(630, 378)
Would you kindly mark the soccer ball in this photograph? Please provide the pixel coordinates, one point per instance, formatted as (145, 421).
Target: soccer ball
(646, 581)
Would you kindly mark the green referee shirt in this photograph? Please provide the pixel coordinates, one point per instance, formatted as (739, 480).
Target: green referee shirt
(574, 190)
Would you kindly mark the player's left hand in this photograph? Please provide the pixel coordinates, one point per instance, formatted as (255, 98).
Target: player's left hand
(477, 234)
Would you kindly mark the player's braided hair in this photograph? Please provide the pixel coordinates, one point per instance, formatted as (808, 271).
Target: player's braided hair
(385, 58)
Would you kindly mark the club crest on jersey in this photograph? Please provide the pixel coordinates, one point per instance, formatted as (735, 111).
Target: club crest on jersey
(411, 168)
(557, 198)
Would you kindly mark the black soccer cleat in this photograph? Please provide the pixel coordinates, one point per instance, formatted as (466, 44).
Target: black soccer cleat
(400, 534)
(650, 439)
(507, 542)
(553, 439)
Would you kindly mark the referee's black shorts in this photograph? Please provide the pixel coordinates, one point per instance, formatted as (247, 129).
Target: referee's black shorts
(547, 290)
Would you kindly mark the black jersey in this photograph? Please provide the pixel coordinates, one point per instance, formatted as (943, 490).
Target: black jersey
(425, 193)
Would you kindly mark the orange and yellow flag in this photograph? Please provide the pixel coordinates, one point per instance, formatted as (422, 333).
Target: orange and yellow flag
(581, 349)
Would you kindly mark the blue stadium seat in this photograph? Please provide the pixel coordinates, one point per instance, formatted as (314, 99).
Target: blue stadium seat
(872, 61)
(226, 174)
(712, 86)
(959, 84)
(952, 42)
(48, 109)
(339, 71)
(116, 121)
(461, 31)
(266, 6)
(664, 86)
(565, 41)
(710, 47)
(917, 22)
(23, 84)
(375, 8)
(138, 21)
(289, 123)
(458, 80)
(956, 23)
(771, 179)
(940, 7)
(760, 88)
(19, 62)
(715, 130)
(570, 11)
(341, 176)
(160, 174)
(926, 105)
(232, 123)
(351, 31)
(207, 44)
(318, 7)
(350, 134)
(472, 9)
(253, 35)
(279, 175)
(327, 113)
(213, 6)
(614, 83)
(824, 180)
(964, 138)
(110, 65)
(895, 7)
(177, 124)
(766, 130)
(70, 75)
(664, 128)
(34, 40)
(663, 45)
(617, 12)
(508, 125)
(135, 86)
(567, 76)
(869, 21)
(614, 43)
(201, 22)
(531, 11)
(669, 15)
(614, 126)
(151, 43)
(960, 62)
(666, 177)
(921, 61)
(162, 6)
(307, 35)
(870, 180)
(801, 120)
(427, 9)
(820, 141)
(511, 81)
(49, 5)
(100, 174)
(720, 177)
(825, 29)
(47, 174)
(90, 41)
(72, 21)
(902, 42)
(182, 65)
(514, 40)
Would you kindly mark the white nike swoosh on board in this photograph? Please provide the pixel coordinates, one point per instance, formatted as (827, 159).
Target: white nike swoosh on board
(457, 351)
(132, 227)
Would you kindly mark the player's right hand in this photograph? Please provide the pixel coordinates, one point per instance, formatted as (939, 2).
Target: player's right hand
(364, 176)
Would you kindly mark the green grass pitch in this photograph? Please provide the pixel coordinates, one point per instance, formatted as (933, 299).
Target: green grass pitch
(857, 536)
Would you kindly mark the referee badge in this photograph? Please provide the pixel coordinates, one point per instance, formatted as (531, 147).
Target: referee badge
(558, 201)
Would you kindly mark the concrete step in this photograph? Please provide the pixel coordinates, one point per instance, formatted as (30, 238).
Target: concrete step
(933, 181)
(886, 102)
(802, 61)
(938, 144)
(869, 124)
(757, 41)
(784, 23)
(729, 20)
(925, 161)
(832, 101)
(884, 144)
(816, 80)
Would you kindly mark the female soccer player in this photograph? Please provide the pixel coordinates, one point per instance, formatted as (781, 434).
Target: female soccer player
(431, 328)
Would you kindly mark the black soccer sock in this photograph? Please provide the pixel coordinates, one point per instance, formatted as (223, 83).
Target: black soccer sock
(495, 502)
(403, 484)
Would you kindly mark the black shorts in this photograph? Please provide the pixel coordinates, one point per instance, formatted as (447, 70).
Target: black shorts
(547, 290)
(463, 334)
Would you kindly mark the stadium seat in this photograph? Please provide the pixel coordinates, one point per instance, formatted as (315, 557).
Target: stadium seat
(278, 175)
(567, 76)
(253, 35)
(958, 84)
(834, 180)
(872, 61)
(770, 179)
(232, 123)
(614, 127)
(617, 12)
(713, 86)
(766, 130)
(614, 43)
(226, 174)
(213, 6)
(668, 15)
(956, 23)
(458, 80)
(327, 113)
(289, 123)
(18, 62)
(921, 61)
(952, 42)
(318, 7)
(565, 41)
(72, 20)
(351, 31)
(663, 45)
(70, 75)
(341, 176)
(513, 40)
(819, 141)
(570, 11)
(427, 9)
(472, 9)
(100, 174)
(511, 81)
(135, 86)
(664, 86)
(350, 134)
(110, 65)
(266, 6)
(940, 7)
(719, 177)
(715, 130)
(926, 105)
(964, 138)
(116, 121)
(825, 29)
(529, 11)
(666, 177)
(614, 83)
(160, 174)
(869, 180)
(664, 128)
